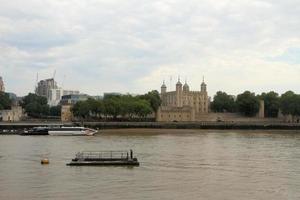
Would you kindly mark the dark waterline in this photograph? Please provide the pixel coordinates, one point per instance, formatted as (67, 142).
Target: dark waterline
(175, 164)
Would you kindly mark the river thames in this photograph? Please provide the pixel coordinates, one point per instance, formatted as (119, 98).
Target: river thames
(174, 164)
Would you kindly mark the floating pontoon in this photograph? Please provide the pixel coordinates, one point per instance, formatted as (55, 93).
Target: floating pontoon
(100, 158)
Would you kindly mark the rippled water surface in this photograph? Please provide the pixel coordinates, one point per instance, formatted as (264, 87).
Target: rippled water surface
(175, 164)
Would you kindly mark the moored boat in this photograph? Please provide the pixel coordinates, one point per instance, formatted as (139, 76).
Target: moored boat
(36, 131)
(71, 131)
(60, 131)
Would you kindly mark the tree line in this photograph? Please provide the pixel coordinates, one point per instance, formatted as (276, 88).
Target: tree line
(111, 106)
(118, 107)
(247, 103)
(128, 107)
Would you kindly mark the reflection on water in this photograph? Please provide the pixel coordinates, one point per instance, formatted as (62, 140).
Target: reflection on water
(175, 164)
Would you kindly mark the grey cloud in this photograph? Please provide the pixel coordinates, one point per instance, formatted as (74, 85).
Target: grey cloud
(132, 45)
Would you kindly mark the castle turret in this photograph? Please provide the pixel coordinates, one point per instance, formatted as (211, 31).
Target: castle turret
(186, 87)
(178, 85)
(163, 88)
(178, 93)
(203, 86)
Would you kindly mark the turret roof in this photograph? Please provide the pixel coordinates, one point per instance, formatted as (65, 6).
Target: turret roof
(178, 82)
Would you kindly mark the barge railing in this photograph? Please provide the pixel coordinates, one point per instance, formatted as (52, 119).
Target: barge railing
(102, 155)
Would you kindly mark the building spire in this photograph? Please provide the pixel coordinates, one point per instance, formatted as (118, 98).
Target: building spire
(163, 85)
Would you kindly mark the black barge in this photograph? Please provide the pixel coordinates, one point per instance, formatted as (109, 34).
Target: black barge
(104, 158)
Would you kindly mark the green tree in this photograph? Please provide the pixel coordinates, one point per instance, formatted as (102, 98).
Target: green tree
(35, 106)
(95, 106)
(81, 109)
(223, 103)
(5, 102)
(248, 103)
(34, 98)
(271, 100)
(55, 110)
(290, 103)
(112, 106)
(126, 105)
(142, 108)
(153, 98)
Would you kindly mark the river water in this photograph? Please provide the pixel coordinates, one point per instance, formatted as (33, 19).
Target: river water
(174, 164)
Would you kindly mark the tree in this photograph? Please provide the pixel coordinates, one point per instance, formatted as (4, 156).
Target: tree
(95, 106)
(142, 108)
(153, 98)
(248, 103)
(290, 103)
(271, 100)
(55, 110)
(81, 109)
(35, 106)
(5, 102)
(223, 103)
(34, 98)
(112, 106)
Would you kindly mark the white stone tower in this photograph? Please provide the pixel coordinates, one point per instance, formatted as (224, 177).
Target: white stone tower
(178, 93)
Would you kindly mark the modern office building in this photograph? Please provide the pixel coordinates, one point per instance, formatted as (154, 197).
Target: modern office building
(56, 95)
(48, 88)
(71, 99)
(44, 87)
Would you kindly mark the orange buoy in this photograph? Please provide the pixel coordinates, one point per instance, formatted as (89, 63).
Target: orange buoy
(45, 161)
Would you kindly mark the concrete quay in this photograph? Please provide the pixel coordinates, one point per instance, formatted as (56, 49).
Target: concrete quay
(15, 128)
(197, 125)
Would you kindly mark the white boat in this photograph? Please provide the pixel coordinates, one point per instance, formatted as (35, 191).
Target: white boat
(72, 131)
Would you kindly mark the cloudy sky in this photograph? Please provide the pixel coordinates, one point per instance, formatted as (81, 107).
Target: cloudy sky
(99, 46)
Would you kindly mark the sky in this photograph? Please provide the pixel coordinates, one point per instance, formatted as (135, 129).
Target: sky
(131, 46)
